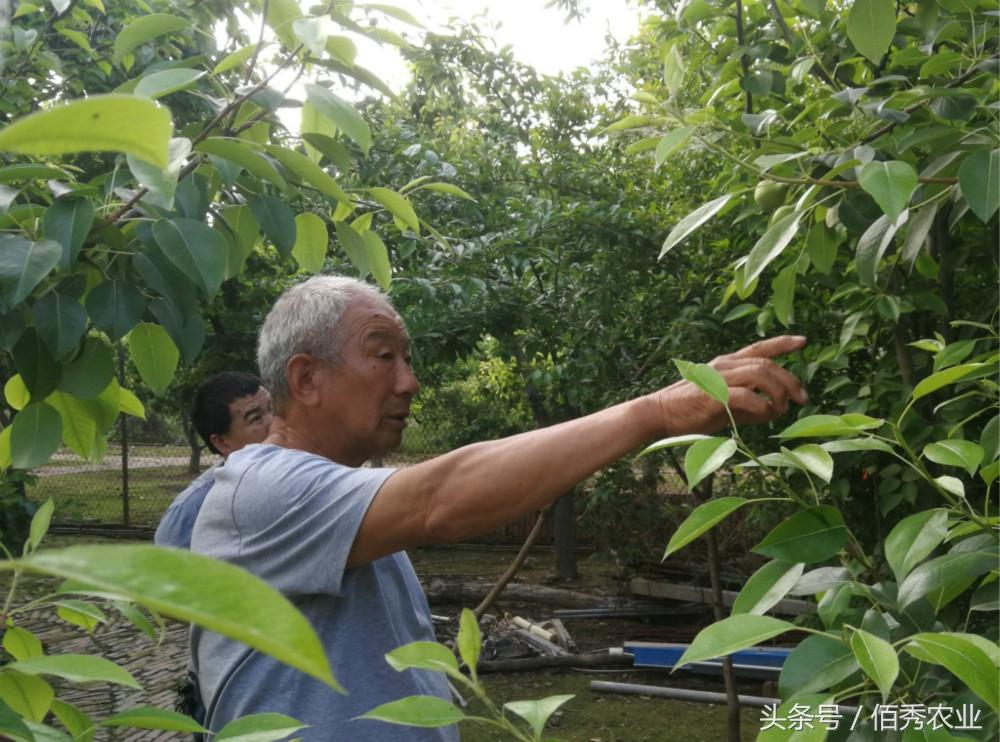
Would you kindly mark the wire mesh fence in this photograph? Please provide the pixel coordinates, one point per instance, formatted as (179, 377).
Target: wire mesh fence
(133, 485)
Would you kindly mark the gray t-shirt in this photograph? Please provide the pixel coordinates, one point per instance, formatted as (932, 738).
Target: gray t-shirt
(290, 517)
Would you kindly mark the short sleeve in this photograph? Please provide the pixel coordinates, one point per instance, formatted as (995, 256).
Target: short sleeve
(289, 517)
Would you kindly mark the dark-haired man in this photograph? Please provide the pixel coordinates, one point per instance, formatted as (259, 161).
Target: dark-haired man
(229, 411)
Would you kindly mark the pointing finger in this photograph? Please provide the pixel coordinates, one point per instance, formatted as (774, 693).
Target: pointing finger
(771, 348)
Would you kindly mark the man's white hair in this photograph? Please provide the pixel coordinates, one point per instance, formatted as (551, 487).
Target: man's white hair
(304, 319)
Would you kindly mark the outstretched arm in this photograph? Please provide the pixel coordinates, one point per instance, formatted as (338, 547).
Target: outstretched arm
(478, 488)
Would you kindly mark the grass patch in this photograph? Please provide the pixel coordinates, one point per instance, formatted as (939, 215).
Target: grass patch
(609, 717)
(96, 496)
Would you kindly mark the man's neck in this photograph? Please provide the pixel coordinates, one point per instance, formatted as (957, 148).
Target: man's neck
(288, 432)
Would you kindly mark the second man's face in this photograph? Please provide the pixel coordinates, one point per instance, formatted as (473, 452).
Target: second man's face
(249, 422)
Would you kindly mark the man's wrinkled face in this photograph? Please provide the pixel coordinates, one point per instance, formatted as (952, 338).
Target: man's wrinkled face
(249, 422)
(368, 390)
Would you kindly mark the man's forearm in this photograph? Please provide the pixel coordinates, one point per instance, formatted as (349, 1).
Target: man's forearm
(480, 487)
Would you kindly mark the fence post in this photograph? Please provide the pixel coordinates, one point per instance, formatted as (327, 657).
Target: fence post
(124, 424)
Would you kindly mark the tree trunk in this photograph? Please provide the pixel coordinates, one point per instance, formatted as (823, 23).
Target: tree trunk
(194, 460)
(563, 524)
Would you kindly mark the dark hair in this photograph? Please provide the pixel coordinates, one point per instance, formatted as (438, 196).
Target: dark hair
(210, 409)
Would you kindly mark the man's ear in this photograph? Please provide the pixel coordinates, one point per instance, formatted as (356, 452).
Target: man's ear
(302, 376)
(221, 444)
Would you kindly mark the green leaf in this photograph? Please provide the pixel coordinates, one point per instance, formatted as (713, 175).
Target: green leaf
(979, 178)
(378, 259)
(537, 713)
(267, 727)
(79, 425)
(632, 121)
(355, 247)
(766, 587)
(20, 643)
(731, 635)
(817, 663)
(276, 220)
(16, 393)
(161, 183)
(238, 152)
(145, 28)
(705, 378)
(447, 188)
(784, 294)
(703, 518)
(417, 711)
(943, 571)
(916, 235)
(60, 322)
(311, 241)
(154, 354)
(871, 24)
(913, 539)
(193, 588)
(470, 640)
(99, 123)
(159, 84)
(24, 264)
(823, 426)
(36, 366)
(692, 221)
(310, 172)
(872, 246)
(26, 695)
(243, 239)
(238, 57)
(423, 656)
(877, 658)
(395, 12)
(943, 378)
(963, 454)
(812, 458)
(79, 613)
(966, 659)
(399, 206)
(342, 47)
(773, 242)
(672, 142)
(312, 32)
(340, 113)
(890, 183)
(136, 618)
(76, 668)
(36, 532)
(115, 307)
(34, 436)
(705, 457)
(198, 250)
(810, 535)
(674, 441)
(281, 14)
(150, 717)
(68, 222)
(91, 372)
(673, 69)
(76, 722)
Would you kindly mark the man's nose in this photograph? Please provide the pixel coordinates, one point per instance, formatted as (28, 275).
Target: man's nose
(406, 382)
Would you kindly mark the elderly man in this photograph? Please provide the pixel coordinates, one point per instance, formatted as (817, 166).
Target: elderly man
(332, 537)
(229, 411)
